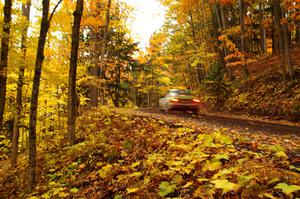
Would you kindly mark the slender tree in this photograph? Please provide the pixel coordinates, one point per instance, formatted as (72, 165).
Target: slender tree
(26, 14)
(4, 56)
(242, 22)
(72, 99)
(103, 47)
(298, 34)
(286, 45)
(276, 26)
(263, 41)
(45, 25)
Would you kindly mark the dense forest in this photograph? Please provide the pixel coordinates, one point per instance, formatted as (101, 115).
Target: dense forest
(66, 62)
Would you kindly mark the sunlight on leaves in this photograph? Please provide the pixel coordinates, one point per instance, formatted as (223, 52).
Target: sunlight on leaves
(287, 189)
(225, 185)
(166, 188)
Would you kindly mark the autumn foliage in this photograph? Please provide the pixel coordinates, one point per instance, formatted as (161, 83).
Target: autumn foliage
(125, 154)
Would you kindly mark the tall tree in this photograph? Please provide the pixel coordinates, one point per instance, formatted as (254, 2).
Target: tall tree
(285, 37)
(242, 22)
(4, 56)
(103, 46)
(298, 34)
(72, 99)
(263, 40)
(276, 26)
(45, 25)
(26, 14)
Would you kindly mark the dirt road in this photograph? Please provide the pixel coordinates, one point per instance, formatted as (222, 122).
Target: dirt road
(237, 124)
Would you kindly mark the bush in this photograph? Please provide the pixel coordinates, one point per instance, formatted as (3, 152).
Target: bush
(4, 147)
(215, 85)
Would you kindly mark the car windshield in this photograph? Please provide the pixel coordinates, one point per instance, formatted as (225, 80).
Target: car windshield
(180, 92)
(184, 92)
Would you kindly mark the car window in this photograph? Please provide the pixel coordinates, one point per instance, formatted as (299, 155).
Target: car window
(184, 92)
(174, 93)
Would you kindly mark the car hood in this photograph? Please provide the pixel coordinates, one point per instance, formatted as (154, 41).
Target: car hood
(185, 97)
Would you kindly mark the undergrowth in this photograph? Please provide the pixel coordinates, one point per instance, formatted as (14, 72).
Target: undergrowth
(127, 155)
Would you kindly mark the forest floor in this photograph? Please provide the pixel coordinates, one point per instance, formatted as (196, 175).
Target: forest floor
(125, 153)
(264, 94)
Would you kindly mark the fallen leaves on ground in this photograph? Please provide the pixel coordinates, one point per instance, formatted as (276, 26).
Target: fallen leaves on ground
(130, 154)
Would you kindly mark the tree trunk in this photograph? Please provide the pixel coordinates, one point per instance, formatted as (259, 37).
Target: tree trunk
(263, 43)
(94, 70)
(45, 24)
(4, 56)
(287, 51)
(277, 26)
(103, 48)
(117, 88)
(72, 99)
(15, 140)
(93, 94)
(298, 35)
(242, 23)
(215, 34)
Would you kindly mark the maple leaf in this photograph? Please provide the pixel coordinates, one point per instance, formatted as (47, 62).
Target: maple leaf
(104, 172)
(287, 189)
(225, 185)
(166, 188)
(212, 165)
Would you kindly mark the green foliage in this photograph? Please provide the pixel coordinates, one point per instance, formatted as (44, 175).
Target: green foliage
(287, 189)
(166, 188)
(215, 85)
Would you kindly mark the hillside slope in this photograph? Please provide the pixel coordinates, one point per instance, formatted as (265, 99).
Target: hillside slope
(265, 94)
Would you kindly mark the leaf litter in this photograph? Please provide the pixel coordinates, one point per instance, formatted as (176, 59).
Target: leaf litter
(130, 154)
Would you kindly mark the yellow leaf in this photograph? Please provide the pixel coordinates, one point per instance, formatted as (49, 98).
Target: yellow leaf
(188, 184)
(133, 165)
(132, 190)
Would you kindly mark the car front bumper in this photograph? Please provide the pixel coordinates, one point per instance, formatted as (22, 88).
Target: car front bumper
(183, 107)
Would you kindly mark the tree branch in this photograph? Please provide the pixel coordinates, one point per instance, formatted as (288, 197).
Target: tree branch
(53, 11)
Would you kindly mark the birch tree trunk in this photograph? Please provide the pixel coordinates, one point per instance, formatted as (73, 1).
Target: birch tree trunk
(72, 99)
(4, 56)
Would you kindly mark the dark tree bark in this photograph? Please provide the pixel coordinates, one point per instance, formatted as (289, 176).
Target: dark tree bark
(72, 99)
(242, 23)
(45, 24)
(4, 56)
(287, 51)
(276, 26)
(298, 35)
(15, 140)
